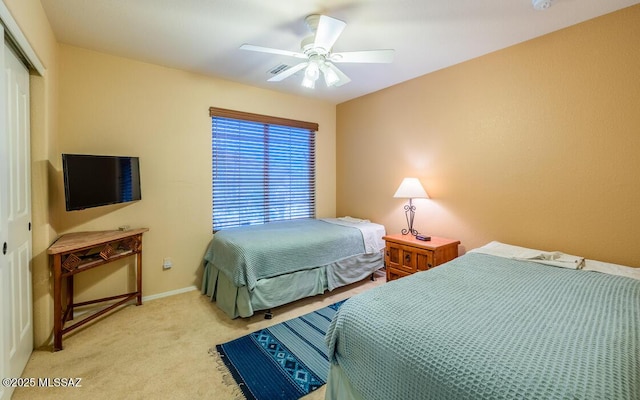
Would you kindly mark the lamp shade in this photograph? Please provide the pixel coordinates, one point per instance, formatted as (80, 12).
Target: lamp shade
(411, 188)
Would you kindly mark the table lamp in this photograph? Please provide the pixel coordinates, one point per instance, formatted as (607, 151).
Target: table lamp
(410, 188)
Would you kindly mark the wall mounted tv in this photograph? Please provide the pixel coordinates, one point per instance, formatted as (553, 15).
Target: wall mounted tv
(96, 180)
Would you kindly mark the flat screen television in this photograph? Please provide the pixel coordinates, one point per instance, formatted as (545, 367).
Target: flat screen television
(96, 180)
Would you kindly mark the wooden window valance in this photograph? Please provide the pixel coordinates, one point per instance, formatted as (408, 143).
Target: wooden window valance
(267, 119)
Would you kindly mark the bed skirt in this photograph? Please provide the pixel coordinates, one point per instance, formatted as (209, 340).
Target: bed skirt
(339, 387)
(283, 289)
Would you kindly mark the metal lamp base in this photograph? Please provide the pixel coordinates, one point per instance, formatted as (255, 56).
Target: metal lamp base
(409, 213)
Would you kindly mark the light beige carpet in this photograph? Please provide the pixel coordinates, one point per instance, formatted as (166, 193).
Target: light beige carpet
(159, 350)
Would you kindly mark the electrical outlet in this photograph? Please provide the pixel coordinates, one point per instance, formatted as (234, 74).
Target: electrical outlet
(167, 263)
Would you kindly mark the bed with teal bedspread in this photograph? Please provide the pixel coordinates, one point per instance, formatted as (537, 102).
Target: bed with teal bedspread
(487, 327)
(264, 266)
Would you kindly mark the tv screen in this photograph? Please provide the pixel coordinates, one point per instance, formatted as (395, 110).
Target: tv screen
(93, 180)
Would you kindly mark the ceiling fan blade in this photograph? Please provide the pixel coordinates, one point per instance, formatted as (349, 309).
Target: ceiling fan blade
(365, 56)
(261, 49)
(328, 31)
(344, 79)
(287, 72)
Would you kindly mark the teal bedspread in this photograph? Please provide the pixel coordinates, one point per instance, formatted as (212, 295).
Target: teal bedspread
(485, 327)
(246, 254)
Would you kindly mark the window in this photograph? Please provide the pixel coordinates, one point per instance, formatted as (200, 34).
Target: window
(263, 168)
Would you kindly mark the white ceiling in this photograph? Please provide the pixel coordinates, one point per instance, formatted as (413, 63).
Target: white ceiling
(204, 35)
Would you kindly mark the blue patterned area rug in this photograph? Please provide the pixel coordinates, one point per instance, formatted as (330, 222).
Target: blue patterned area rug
(285, 361)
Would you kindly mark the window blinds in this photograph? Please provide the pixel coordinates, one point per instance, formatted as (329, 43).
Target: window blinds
(261, 172)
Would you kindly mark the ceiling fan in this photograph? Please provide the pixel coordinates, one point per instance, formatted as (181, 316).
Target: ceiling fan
(316, 50)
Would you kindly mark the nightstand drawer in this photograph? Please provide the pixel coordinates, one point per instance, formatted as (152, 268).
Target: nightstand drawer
(407, 258)
(405, 255)
(393, 273)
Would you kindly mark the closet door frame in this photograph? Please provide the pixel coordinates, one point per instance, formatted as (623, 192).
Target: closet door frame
(5, 317)
(9, 33)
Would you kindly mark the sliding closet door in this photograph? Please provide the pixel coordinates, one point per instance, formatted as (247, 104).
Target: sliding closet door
(5, 313)
(16, 221)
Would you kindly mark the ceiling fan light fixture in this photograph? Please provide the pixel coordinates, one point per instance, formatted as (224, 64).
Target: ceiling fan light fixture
(330, 77)
(312, 72)
(308, 83)
(316, 51)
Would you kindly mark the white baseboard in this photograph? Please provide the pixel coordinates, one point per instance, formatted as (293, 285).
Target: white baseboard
(97, 307)
(169, 293)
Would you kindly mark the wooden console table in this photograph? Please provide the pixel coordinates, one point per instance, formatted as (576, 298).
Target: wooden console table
(77, 252)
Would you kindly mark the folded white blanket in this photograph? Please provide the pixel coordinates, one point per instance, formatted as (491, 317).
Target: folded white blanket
(555, 258)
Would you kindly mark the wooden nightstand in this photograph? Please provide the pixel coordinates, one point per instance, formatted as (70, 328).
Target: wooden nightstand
(405, 255)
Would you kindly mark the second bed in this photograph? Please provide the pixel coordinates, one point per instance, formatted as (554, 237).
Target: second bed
(260, 267)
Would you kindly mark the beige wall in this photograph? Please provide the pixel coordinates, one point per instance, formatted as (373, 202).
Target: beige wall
(535, 145)
(112, 105)
(43, 92)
